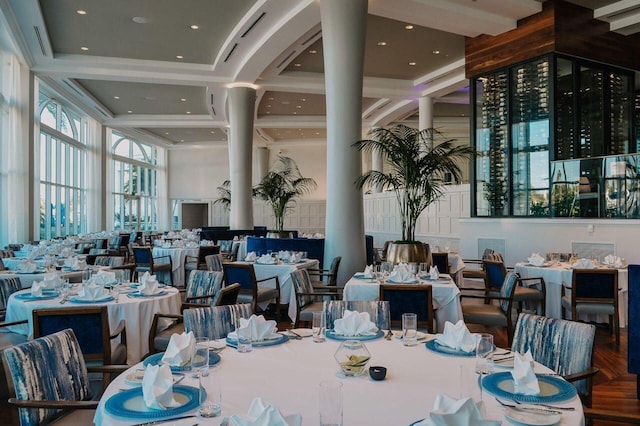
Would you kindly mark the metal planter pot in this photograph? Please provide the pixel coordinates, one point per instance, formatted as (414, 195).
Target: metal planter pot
(409, 252)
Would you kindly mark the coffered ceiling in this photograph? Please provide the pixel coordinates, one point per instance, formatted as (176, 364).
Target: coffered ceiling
(158, 69)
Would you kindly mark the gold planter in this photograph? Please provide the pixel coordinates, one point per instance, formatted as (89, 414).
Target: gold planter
(279, 234)
(409, 252)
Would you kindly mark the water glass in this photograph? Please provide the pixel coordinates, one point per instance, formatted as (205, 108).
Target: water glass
(318, 326)
(423, 268)
(211, 394)
(409, 329)
(330, 403)
(244, 343)
(413, 267)
(200, 358)
(484, 353)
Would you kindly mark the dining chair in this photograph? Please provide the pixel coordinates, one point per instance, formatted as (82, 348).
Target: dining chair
(308, 300)
(49, 381)
(441, 261)
(378, 310)
(214, 262)
(416, 299)
(91, 327)
(490, 314)
(8, 286)
(530, 291)
(593, 291)
(202, 287)
(107, 260)
(124, 272)
(566, 347)
(145, 262)
(8, 339)
(217, 321)
(326, 279)
(228, 295)
(251, 290)
(192, 263)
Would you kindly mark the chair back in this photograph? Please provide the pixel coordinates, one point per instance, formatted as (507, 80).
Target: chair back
(215, 322)
(213, 262)
(415, 299)
(333, 271)
(142, 256)
(90, 325)
(594, 286)
(441, 261)
(2, 267)
(506, 292)
(243, 274)
(111, 261)
(495, 272)
(124, 272)
(7, 253)
(202, 283)
(48, 368)
(564, 346)
(205, 251)
(8, 286)
(302, 284)
(227, 295)
(100, 243)
(378, 311)
(114, 243)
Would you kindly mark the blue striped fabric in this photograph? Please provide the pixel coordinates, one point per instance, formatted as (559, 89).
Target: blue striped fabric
(378, 311)
(202, 283)
(507, 289)
(214, 262)
(8, 286)
(564, 346)
(215, 322)
(302, 283)
(110, 261)
(48, 368)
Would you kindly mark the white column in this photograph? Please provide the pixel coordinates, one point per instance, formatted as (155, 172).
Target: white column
(262, 154)
(377, 164)
(343, 39)
(425, 113)
(242, 101)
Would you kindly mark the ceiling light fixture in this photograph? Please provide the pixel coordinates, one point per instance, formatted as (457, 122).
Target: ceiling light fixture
(382, 43)
(408, 27)
(129, 112)
(298, 106)
(179, 56)
(188, 112)
(313, 51)
(412, 64)
(181, 140)
(84, 48)
(140, 20)
(435, 52)
(303, 99)
(271, 98)
(269, 106)
(116, 97)
(297, 64)
(166, 133)
(183, 100)
(81, 12)
(194, 27)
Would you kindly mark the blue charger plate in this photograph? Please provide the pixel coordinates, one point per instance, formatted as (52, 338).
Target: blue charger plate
(552, 388)
(333, 336)
(28, 296)
(271, 342)
(154, 359)
(138, 294)
(130, 404)
(105, 299)
(362, 277)
(434, 346)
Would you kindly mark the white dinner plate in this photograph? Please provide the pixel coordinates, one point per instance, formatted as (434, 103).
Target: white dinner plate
(302, 332)
(419, 336)
(519, 417)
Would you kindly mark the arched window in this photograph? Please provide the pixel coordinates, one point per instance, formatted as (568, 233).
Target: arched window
(135, 192)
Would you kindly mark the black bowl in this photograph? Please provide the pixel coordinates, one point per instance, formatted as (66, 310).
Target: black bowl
(378, 373)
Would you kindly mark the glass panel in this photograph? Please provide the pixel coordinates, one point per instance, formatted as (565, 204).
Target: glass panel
(122, 148)
(591, 113)
(48, 115)
(620, 118)
(43, 156)
(621, 186)
(43, 212)
(565, 112)
(53, 160)
(65, 125)
(137, 153)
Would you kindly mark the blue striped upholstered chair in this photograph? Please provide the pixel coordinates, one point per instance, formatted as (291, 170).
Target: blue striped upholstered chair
(107, 260)
(214, 262)
(8, 286)
(308, 300)
(379, 311)
(203, 286)
(215, 322)
(49, 369)
(564, 346)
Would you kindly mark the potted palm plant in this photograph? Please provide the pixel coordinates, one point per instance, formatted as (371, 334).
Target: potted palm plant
(418, 160)
(280, 187)
(224, 192)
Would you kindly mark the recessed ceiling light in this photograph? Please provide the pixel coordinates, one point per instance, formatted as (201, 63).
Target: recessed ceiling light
(194, 27)
(116, 97)
(129, 112)
(188, 112)
(213, 131)
(166, 133)
(268, 112)
(183, 100)
(303, 99)
(150, 98)
(298, 106)
(295, 112)
(412, 64)
(181, 140)
(313, 51)
(297, 64)
(435, 52)
(408, 27)
(84, 48)
(382, 43)
(268, 106)
(140, 20)
(285, 102)
(271, 98)
(179, 56)
(317, 133)
(81, 12)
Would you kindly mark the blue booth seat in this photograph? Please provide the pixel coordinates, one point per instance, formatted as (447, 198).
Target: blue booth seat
(313, 246)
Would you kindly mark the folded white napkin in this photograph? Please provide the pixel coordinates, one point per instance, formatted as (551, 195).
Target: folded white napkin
(27, 266)
(103, 278)
(535, 259)
(51, 279)
(180, 348)
(36, 288)
(402, 274)
(251, 256)
(91, 291)
(525, 381)
(448, 411)
(613, 260)
(266, 259)
(285, 256)
(262, 413)
(434, 274)
(66, 252)
(149, 286)
(354, 323)
(166, 245)
(256, 327)
(457, 337)
(71, 262)
(368, 271)
(157, 387)
(583, 264)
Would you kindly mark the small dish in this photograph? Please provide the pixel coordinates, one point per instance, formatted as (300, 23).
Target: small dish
(378, 373)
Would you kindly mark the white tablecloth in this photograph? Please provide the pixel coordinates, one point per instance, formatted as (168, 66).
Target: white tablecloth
(136, 311)
(283, 272)
(554, 276)
(288, 376)
(177, 262)
(456, 266)
(11, 263)
(28, 279)
(446, 297)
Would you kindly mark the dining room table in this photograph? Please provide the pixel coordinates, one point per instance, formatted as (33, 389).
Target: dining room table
(283, 271)
(557, 274)
(177, 255)
(28, 278)
(137, 312)
(288, 375)
(445, 294)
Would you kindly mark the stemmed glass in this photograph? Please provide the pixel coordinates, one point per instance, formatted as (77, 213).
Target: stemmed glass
(484, 356)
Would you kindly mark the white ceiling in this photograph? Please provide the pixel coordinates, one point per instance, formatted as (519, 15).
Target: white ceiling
(148, 72)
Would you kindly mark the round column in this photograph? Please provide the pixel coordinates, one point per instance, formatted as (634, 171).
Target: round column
(425, 113)
(377, 164)
(262, 154)
(343, 39)
(242, 101)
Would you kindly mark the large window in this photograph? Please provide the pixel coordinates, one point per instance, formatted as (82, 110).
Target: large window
(63, 178)
(135, 191)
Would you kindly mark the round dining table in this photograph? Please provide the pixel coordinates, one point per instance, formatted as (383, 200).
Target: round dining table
(137, 312)
(178, 255)
(288, 376)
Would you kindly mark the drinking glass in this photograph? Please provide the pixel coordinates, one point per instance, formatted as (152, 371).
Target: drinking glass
(330, 403)
(200, 358)
(424, 268)
(385, 268)
(484, 353)
(244, 342)
(318, 326)
(409, 329)
(211, 394)
(413, 267)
